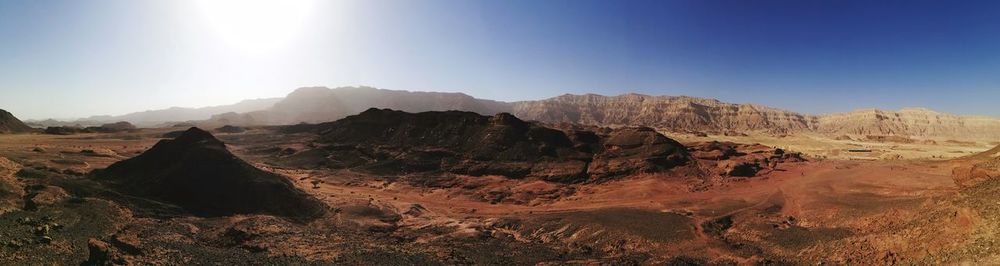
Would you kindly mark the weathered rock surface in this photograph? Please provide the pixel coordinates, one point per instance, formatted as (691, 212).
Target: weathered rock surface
(395, 142)
(10, 124)
(230, 129)
(685, 114)
(112, 127)
(670, 112)
(741, 160)
(11, 190)
(196, 172)
(102, 253)
(909, 122)
(975, 169)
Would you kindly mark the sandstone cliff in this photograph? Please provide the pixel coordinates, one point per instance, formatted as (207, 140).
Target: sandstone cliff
(680, 113)
(669, 112)
(916, 122)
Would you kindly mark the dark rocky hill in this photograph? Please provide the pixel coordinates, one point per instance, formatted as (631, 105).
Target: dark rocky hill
(395, 142)
(10, 124)
(196, 172)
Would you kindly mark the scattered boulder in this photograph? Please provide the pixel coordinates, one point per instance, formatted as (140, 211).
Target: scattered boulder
(196, 172)
(102, 253)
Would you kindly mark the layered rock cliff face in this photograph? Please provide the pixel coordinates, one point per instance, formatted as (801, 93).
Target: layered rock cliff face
(670, 112)
(680, 113)
(674, 113)
(909, 122)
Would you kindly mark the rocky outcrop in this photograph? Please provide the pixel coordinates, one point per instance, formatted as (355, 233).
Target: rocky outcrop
(230, 129)
(105, 128)
(102, 253)
(196, 172)
(395, 142)
(690, 114)
(914, 122)
(10, 124)
(668, 112)
(628, 151)
(741, 160)
(974, 169)
(120, 126)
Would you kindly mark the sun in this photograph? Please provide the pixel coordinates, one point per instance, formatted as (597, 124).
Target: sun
(256, 25)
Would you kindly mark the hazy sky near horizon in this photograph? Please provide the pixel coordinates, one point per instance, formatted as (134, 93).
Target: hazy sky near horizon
(69, 58)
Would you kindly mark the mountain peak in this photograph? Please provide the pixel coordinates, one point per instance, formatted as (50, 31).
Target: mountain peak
(196, 135)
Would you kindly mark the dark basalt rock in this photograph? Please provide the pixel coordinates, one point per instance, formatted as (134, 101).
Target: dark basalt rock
(385, 141)
(230, 129)
(10, 124)
(637, 150)
(196, 172)
(105, 128)
(112, 127)
(63, 130)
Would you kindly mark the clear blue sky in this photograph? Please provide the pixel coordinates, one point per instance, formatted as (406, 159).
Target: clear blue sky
(80, 58)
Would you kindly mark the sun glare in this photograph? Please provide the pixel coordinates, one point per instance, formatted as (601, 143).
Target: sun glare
(256, 25)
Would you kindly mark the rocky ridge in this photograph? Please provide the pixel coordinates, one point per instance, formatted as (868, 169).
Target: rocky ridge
(10, 124)
(394, 142)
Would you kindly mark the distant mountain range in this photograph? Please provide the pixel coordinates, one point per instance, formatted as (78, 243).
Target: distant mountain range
(672, 113)
(713, 116)
(154, 118)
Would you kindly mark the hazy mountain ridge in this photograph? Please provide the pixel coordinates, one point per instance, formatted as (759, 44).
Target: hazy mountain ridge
(152, 118)
(321, 104)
